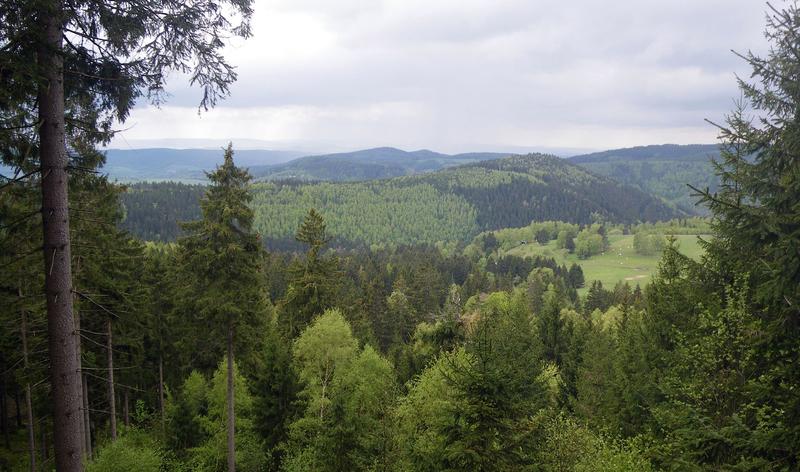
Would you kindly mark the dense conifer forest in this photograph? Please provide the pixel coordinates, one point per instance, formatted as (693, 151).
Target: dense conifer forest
(663, 170)
(128, 344)
(448, 205)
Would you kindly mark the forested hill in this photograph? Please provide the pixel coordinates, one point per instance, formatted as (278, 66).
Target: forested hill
(367, 164)
(448, 205)
(663, 170)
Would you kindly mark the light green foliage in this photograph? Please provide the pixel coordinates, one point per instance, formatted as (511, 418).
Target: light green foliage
(348, 393)
(711, 391)
(646, 243)
(589, 243)
(459, 408)
(683, 226)
(367, 392)
(551, 379)
(509, 238)
(373, 213)
(210, 456)
(570, 446)
(195, 391)
(134, 450)
(324, 347)
(426, 413)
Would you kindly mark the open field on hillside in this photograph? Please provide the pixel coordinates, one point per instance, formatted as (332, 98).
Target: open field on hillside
(619, 262)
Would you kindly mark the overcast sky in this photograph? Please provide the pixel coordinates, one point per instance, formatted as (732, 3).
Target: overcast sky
(470, 75)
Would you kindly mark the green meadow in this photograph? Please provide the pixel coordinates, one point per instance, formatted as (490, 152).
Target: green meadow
(619, 262)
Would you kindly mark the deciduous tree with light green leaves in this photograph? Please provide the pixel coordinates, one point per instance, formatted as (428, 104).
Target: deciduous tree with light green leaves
(348, 394)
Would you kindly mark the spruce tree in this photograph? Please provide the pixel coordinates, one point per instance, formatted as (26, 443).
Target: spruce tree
(756, 229)
(221, 261)
(313, 283)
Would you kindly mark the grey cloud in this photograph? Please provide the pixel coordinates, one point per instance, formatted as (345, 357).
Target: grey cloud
(480, 67)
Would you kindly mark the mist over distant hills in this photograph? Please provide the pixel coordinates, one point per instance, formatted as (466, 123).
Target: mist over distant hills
(181, 165)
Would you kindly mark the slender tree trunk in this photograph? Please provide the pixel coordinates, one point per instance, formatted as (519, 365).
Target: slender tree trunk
(161, 392)
(231, 417)
(125, 416)
(112, 402)
(45, 449)
(28, 402)
(16, 404)
(86, 440)
(87, 425)
(64, 372)
(4, 407)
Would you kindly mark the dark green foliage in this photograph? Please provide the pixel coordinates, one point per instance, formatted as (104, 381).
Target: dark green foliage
(551, 326)
(220, 266)
(665, 170)
(576, 278)
(542, 236)
(576, 195)
(313, 282)
(495, 390)
(489, 243)
(152, 211)
(751, 342)
(274, 394)
(598, 298)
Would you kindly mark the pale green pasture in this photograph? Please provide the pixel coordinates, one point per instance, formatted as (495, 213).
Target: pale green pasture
(619, 262)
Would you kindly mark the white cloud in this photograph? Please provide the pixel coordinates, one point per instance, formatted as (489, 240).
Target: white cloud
(451, 74)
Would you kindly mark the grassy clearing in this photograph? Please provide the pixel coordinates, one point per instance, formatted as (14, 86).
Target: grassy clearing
(619, 262)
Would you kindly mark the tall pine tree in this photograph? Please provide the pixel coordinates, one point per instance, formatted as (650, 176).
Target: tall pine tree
(221, 260)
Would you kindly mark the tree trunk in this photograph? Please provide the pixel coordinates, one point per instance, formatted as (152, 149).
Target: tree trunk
(231, 417)
(16, 404)
(86, 441)
(161, 392)
(125, 412)
(4, 407)
(64, 373)
(45, 449)
(87, 425)
(28, 402)
(112, 402)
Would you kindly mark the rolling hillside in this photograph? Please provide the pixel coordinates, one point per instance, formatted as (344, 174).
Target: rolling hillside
(663, 170)
(368, 164)
(453, 204)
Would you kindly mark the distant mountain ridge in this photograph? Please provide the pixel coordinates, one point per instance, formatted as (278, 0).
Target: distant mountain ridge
(367, 164)
(451, 204)
(662, 170)
(184, 165)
